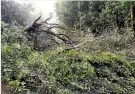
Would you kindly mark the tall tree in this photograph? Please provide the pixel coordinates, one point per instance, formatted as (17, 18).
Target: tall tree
(103, 15)
(15, 13)
(67, 12)
(132, 10)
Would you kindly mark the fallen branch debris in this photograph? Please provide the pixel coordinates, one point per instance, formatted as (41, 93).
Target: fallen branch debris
(35, 27)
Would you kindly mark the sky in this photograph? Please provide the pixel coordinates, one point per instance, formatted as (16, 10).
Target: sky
(42, 6)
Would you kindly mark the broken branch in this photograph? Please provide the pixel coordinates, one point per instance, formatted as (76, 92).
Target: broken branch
(66, 41)
(47, 20)
(37, 19)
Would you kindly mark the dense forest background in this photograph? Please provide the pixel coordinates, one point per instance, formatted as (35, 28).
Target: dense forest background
(90, 50)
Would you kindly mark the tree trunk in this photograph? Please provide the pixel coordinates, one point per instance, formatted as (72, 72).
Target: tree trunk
(132, 10)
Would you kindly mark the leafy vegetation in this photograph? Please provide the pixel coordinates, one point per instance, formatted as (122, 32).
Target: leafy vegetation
(103, 65)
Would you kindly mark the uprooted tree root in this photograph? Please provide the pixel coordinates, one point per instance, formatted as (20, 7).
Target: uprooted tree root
(64, 38)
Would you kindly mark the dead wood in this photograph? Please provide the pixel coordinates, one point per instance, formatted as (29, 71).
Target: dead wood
(66, 40)
(35, 27)
(62, 37)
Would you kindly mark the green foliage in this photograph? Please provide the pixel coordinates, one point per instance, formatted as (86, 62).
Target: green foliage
(113, 42)
(30, 71)
(102, 16)
(68, 72)
(67, 12)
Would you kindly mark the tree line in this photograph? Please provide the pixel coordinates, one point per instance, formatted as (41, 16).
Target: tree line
(101, 16)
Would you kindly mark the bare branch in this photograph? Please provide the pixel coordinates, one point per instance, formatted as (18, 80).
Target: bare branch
(47, 20)
(83, 43)
(37, 19)
(70, 41)
(53, 39)
(58, 26)
(55, 27)
(66, 41)
(65, 36)
(62, 37)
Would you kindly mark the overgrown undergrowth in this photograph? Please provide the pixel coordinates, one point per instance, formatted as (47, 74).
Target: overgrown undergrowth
(95, 68)
(72, 71)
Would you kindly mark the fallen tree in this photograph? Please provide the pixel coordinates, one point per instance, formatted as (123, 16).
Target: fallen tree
(34, 29)
(63, 37)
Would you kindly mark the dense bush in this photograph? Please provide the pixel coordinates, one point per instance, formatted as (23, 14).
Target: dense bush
(71, 71)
